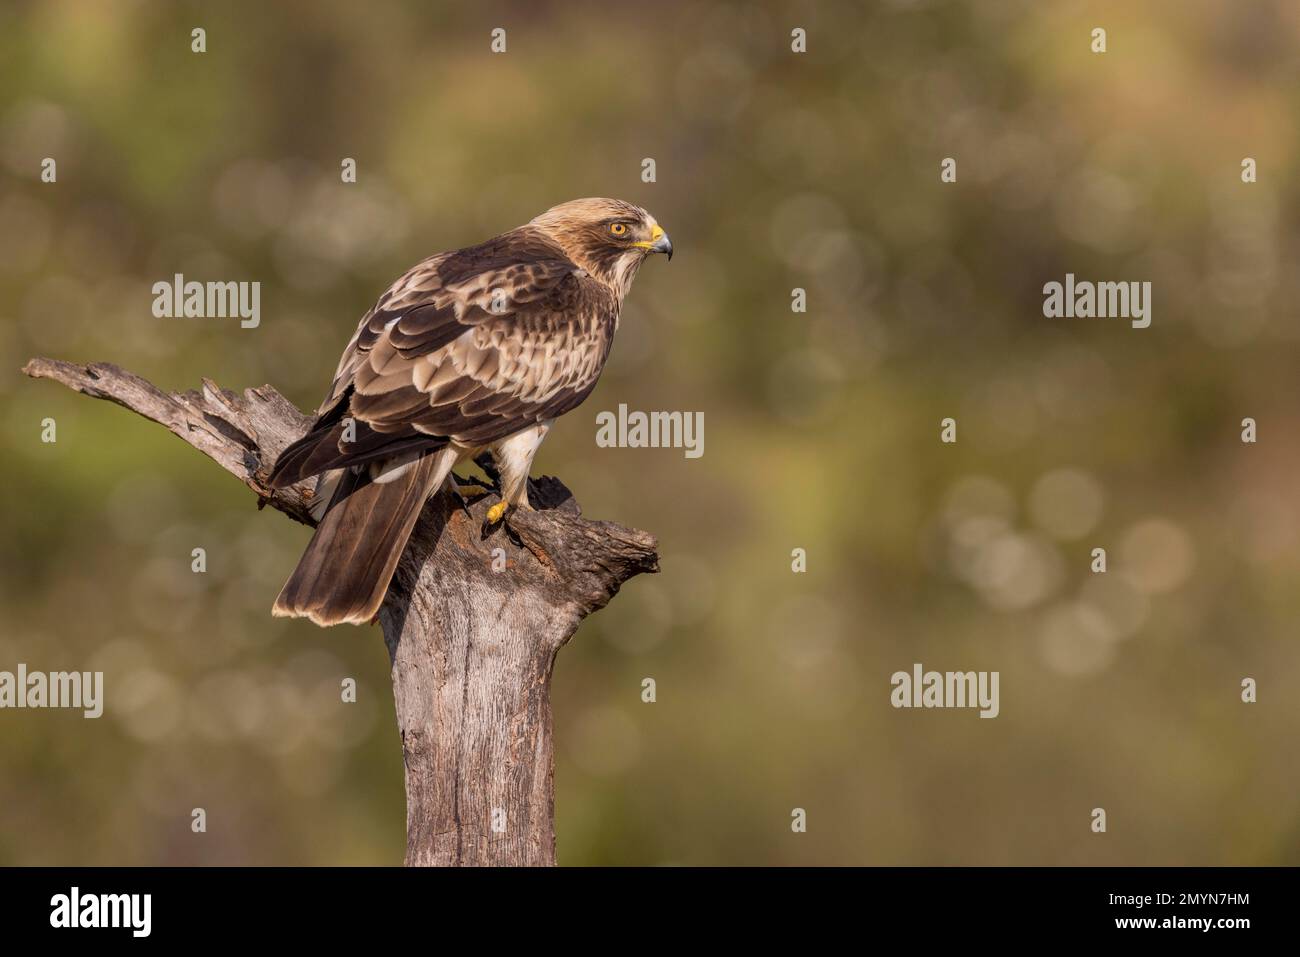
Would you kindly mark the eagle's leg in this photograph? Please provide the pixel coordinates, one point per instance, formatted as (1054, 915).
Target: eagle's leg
(513, 458)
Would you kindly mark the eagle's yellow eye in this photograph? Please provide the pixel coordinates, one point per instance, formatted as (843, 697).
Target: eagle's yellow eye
(618, 229)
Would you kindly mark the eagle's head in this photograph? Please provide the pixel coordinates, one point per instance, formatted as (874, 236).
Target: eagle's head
(607, 237)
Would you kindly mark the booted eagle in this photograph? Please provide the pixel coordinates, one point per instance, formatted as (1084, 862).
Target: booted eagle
(477, 350)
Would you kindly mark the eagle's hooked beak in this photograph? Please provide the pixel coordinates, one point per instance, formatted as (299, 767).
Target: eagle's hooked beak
(659, 242)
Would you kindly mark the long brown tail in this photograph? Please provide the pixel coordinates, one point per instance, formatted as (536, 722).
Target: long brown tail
(345, 571)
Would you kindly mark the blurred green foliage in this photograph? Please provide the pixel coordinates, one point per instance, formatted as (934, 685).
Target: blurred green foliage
(775, 171)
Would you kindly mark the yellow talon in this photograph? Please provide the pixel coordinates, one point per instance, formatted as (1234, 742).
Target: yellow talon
(495, 512)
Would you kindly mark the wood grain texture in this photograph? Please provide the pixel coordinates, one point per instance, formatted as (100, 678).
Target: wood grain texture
(471, 647)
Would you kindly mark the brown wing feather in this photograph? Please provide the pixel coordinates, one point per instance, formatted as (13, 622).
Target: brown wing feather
(468, 347)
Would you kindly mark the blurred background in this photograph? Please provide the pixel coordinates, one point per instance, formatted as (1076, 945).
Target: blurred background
(774, 171)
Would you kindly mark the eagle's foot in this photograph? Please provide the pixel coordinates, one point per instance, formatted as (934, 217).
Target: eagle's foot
(457, 484)
(486, 487)
(498, 517)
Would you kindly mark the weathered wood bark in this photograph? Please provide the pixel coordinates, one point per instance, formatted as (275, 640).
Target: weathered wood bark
(472, 623)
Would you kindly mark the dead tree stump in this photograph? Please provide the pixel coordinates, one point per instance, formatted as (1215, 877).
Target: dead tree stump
(472, 632)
